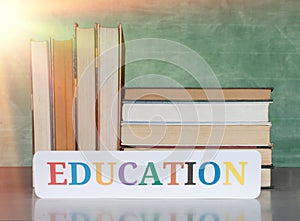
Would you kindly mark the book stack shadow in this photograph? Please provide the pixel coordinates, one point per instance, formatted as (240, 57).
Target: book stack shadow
(176, 119)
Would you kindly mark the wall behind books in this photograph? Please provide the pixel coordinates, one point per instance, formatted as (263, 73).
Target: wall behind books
(247, 44)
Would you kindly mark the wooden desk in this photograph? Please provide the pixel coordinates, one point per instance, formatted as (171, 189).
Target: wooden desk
(15, 193)
(17, 200)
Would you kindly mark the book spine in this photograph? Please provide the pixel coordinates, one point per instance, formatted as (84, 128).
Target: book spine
(50, 77)
(75, 115)
(41, 96)
(31, 97)
(199, 135)
(63, 92)
(121, 80)
(86, 87)
(97, 80)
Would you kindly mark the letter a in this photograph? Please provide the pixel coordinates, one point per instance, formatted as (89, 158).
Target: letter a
(154, 175)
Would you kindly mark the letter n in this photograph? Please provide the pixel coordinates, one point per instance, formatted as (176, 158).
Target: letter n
(239, 177)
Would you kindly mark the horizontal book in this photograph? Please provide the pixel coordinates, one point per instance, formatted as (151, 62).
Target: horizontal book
(266, 179)
(233, 112)
(266, 153)
(187, 135)
(198, 94)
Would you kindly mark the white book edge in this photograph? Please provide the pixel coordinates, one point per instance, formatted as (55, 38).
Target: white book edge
(86, 88)
(263, 123)
(108, 76)
(196, 112)
(41, 98)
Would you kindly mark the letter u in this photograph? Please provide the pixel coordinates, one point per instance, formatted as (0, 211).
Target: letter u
(99, 174)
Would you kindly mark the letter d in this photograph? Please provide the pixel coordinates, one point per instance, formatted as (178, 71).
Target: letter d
(87, 173)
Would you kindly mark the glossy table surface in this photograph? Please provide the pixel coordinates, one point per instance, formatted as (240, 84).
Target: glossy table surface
(18, 202)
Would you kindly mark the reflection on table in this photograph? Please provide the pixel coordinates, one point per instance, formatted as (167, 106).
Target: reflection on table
(18, 202)
(144, 210)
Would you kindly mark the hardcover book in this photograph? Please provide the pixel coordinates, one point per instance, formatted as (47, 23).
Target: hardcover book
(110, 81)
(41, 96)
(63, 94)
(198, 94)
(209, 112)
(86, 88)
(134, 134)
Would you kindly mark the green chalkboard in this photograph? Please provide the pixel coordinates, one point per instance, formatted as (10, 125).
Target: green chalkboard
(245, 43)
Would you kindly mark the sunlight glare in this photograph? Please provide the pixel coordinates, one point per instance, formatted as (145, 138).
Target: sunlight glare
(10, 19)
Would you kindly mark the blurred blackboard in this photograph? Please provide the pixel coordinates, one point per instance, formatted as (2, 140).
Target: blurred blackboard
(245, 43)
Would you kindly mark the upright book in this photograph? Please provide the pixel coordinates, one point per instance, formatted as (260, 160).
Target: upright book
(99, 58)
(63, 94)
(41, 96)
(86, 88)
(110, 81)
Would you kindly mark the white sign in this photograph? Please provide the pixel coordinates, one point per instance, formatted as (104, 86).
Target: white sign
(147, 174)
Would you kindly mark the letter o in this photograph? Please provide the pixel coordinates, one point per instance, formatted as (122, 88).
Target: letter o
(217, 173)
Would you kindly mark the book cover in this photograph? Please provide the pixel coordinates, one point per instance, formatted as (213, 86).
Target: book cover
(41, 96)
(63, 94)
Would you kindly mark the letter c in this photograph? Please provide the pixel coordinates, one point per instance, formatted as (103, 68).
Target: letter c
(122, 173)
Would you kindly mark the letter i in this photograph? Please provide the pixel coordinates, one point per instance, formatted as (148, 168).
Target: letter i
(190, 174)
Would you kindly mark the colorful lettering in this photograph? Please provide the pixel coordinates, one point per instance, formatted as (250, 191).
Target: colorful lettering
(190, 174)
(87, 173)
(202, 173)
(153, 175)
(122, 173)
(99, 173)
(53, 173)
(173, 166)
(239, 177)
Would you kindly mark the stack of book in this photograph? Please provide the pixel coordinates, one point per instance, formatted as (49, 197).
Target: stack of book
(185, 118)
